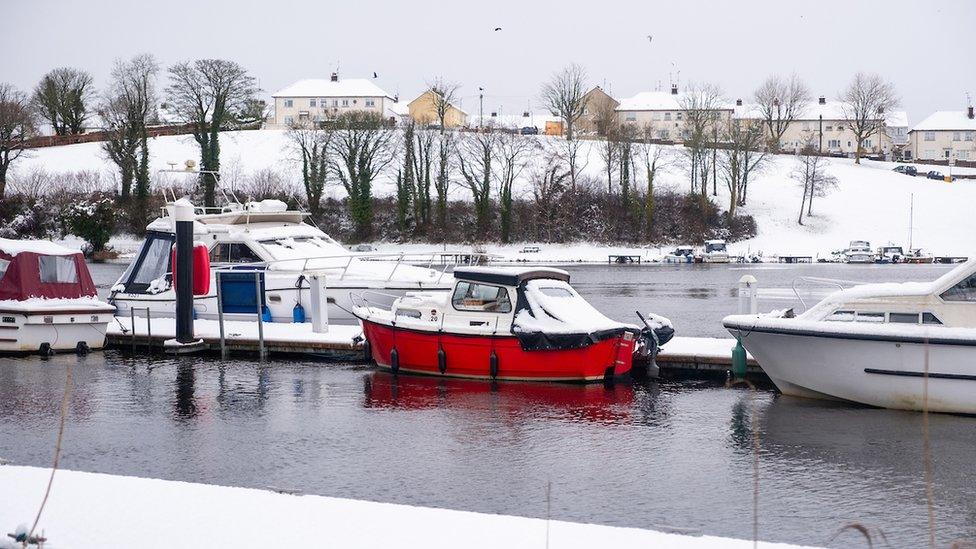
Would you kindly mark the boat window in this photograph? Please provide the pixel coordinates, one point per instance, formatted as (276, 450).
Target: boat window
(929, 318)
(469, 296)
(57, 268)
(556, 292)
(870, 317)
(715, 247)
(903, 318)
(841, 316)
(233, 252)
(155, 263)
(3, 267)
(409, 313)
(964, 291)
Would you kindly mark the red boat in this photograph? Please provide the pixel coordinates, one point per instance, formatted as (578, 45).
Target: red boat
(501, 323)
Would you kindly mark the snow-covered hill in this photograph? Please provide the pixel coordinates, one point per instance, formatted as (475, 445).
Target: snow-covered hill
(871, 202)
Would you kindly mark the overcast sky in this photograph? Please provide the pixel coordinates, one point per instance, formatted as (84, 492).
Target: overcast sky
(928, 49)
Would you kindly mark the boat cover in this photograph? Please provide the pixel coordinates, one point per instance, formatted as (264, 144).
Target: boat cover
(550, 315)
(50, 272)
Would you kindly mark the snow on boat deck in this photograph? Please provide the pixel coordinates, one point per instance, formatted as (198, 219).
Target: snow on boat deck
(108, 511)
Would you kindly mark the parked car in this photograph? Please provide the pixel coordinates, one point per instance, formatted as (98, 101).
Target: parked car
(937, 175)
(529, 130)
(907, 170)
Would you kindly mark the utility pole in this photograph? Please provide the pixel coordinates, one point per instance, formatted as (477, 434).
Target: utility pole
(820, 146)
(481, 106)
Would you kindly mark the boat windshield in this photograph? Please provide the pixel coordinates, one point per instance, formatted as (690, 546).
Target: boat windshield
(470, 296)
(715, 247)
(964, 291)
(150, 264)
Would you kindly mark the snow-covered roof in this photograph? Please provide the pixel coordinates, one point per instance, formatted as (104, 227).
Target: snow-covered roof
(946, 120)
(43, 247)
(397, 108)
(656, 101)
(830, 110)
(323, 87)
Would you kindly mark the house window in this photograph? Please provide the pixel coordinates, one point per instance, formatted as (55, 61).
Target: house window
(969, 136)
(866, 143)
(289, 120)
(829, 129)
(656, 116)
(930, 136)
(288, 103)
(678, 116)
(667, 116)
(964, 291)
(663, 134)
(957, 136)
(335, 102)
(833, 144)
(370, 102)
(470, 296)
(345, 102)
(631, 117)
(962, 155)
(311, 102)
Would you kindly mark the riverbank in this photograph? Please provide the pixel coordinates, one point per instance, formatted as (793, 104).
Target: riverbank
(109, 511)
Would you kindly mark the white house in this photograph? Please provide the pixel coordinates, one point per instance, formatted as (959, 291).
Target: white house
(945, 135)
(662, 112)
(320, 100)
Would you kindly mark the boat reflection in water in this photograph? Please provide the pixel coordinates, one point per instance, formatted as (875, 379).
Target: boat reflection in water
(573, 402)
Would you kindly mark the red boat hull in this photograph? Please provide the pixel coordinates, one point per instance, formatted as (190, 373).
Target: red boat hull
(469, 356)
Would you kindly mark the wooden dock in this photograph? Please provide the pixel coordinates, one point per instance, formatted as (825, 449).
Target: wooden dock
(682, 355)
(623, 259)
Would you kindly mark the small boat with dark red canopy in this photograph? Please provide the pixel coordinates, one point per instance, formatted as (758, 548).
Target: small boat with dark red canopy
(501, 323)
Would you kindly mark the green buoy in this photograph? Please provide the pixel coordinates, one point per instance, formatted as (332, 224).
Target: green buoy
(739, 358)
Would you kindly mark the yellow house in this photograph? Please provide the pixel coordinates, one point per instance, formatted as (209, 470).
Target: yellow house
(423, 110)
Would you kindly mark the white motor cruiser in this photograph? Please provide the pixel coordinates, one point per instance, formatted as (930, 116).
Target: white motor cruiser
(48, 300)
(267, 237)
(715, 252)
(909, 346)
(859, 251)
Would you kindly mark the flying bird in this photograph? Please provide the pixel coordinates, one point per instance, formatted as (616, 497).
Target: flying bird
(497, 29)
(650, 37)
(375, 75)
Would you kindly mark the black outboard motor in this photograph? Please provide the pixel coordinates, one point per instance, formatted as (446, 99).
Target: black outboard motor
(653, 336)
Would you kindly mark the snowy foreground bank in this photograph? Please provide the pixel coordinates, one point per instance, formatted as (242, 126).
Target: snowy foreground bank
(105, 511)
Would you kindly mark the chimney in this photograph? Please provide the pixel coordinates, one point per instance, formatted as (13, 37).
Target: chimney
(674, 89)
(525, 114)
(335, 77)
(969, 113)
(738, 102)
(494, 114)
(823, 100)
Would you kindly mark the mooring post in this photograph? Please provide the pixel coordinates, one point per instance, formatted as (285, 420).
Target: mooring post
(748, 302)
(132, 324)
(257, 296)
(220, 317)
(183, 270)
(148, 331)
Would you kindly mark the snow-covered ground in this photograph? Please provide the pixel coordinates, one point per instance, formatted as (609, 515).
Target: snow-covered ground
(871, 202)
(88, 510)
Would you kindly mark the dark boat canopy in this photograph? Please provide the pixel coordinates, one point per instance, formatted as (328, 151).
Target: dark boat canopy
(42, 269)
(508, 276)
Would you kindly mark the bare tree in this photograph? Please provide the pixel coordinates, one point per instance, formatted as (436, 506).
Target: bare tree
(655, 159)
(443, 95)
(63, 97)
(700, 107)
(363, 147)
(405, 184)
(126, 111)
(610, 153)
(780, 101)
(446, 148)
(565, 96)
(513, 152)
(865, 103)
(810, 172)
(742, 156)
(476, 157)
(17, 126)
(423, 162)
(604, 118)
(312, 146)
(548, 185)
(211, 95)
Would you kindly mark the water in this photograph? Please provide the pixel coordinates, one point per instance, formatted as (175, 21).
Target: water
(678, 453)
